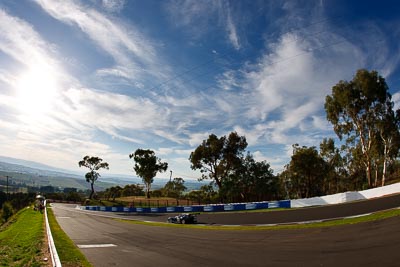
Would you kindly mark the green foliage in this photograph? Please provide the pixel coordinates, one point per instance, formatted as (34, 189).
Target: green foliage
(334, 179)
(132, 190)
(174, 188)
(362, 111)
(218, 157)
(21, 241)
(147, 165)
(304, 175)
(251, 181)
(93, 164)
(6, 211)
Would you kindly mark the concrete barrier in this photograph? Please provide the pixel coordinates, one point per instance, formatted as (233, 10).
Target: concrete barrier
(346, 196)
(55, 259)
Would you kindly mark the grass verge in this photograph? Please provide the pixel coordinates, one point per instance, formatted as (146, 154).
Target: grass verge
(331, 223)
(69, 254)
(21, 241)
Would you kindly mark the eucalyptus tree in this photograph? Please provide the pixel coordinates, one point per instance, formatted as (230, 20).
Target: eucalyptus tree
(357, 109)
(93, 164)
(217, 158)
(336, 171)
(251, 181)
(174, 188)
(147, 165)
(304, 176)
(388, 128)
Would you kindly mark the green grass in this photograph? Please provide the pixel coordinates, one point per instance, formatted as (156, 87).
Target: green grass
(332, 223)
(69, 254)
(21, 241)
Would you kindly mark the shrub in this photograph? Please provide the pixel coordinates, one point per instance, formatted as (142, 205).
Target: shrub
(7, 211)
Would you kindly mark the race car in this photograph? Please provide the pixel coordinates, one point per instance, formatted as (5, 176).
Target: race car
(183, 218)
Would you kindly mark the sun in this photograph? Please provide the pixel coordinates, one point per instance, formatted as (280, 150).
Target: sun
(36, 91)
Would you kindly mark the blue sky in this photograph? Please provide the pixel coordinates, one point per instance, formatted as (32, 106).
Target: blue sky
(106, 77)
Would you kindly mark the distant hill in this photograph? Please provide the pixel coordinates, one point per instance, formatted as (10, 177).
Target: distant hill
(36, 174)
(33, 165)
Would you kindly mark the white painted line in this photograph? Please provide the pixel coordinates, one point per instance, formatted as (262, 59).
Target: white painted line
(97, 246)
(63, 217)
(358, 216)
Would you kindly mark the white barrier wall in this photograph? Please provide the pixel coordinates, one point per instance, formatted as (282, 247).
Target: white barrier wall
(53, 251)
(346, 197)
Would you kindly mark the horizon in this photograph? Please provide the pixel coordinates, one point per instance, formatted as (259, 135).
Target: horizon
(106, 77)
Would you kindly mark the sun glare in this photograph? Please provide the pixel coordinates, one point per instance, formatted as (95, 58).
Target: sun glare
(36, 91)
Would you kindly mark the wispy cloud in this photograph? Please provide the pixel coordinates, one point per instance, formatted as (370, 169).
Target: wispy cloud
(231, 29)
(202, 17)
(134, 54)
(113, 5)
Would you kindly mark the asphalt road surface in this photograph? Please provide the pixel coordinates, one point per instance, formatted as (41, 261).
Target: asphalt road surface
(107, 242)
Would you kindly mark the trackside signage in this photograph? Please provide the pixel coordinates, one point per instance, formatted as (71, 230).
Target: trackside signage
(251, 206)
(198, 208)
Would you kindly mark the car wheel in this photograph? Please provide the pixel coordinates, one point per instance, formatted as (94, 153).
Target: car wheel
(183, 222)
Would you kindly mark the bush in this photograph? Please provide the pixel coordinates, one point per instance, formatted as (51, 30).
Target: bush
(7, 211)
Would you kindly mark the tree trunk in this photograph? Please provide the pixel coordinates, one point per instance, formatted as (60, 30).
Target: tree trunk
(384, 172)
(369, 173)
(91, 193)
(376, 174)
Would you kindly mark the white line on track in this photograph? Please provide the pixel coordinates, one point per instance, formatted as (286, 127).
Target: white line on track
(97, 246)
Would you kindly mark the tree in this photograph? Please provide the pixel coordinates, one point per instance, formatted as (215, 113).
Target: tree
(303, 176)
(147, 165)
(388, 128)
(7, 211)
(132, 190)
(174, 188)
(218, 156)
(251, 181)
(333, 182)
(94, 164)
(356, 109)
(113, 192)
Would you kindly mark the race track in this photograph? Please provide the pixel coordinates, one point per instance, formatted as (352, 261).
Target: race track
(123, 244)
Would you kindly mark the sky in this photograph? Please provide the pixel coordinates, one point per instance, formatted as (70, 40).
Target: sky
(106, 77)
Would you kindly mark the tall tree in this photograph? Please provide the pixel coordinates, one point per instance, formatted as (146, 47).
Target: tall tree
(303, 176)
(333, 182)
(218, 157)
(355, 109)
(94, 164)
(174, 188)
(147, 165)
(251, 181)
(388, 128)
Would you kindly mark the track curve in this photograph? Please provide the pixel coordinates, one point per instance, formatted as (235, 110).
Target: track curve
(287, 216)
(373, 243)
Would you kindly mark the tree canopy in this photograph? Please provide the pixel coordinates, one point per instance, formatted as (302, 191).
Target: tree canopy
(218, 157)
(174, 188)
(94, 164)
(362, 111)
(147, 165)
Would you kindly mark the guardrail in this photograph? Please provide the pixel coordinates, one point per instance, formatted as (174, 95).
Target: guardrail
(53, 251)
(196, 208)
(294, 203)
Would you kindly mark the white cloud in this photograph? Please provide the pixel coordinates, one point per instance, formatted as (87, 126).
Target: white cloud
(113, 5)
(396, 100)
(202, 17)
(231, 29)
(132, 52)
(228, 80)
